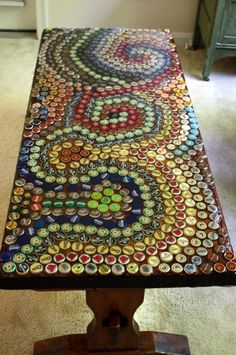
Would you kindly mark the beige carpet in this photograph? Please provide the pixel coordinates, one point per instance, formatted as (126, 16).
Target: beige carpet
(205, 315)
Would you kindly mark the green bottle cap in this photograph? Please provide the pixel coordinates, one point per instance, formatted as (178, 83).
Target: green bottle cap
(80, 204)
(102, 232)
(73, 180)
(19, 258)
(47, 203)
(66, 227)
(116, 198)
(61, 180)
(108, 192)
(58, 204)
(54, 227)
(9, 267)
(102, 208)
(92, 204)
(69, 203)
(144, 219)
(96, 195)
(36, 241)
(115, 232)
(114, 207)
(106, 200)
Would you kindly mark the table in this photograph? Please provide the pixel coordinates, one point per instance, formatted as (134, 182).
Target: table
(113, 192)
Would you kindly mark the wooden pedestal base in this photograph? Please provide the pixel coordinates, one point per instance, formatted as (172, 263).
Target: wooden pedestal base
(150, 343)
(113, 331)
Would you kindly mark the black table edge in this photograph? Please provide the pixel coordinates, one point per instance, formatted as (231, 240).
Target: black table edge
(110, 281)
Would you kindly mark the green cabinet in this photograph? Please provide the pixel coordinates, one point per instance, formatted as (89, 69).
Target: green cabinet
(216, 28)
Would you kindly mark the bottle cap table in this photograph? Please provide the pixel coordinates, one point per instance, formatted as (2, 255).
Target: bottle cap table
(113, 188)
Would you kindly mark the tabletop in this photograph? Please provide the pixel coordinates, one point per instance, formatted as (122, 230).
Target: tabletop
(113, 187)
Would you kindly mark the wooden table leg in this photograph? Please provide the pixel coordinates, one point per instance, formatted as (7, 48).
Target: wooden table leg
(113, 326)
(113, 331)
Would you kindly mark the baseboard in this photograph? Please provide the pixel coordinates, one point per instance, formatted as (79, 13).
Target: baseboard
(183, 39)
(12, 3)
(17, 33)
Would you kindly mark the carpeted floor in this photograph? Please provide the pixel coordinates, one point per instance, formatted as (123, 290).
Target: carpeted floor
(205, 315)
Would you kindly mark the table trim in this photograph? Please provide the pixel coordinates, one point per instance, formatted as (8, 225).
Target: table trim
(91, 282)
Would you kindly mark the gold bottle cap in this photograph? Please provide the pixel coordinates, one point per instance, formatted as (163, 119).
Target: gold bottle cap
(132, 268)
(77, 246)
(45, 259)
(36, 268)
(102, 249)
(90, 249)
(64, 244)
(115, 250)
(77, 268)
(104, 269)
(53, 249)
(154, 261)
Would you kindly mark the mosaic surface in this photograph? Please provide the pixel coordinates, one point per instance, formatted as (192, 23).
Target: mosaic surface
(112, 175)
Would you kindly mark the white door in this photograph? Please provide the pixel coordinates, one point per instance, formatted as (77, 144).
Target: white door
(17, 15)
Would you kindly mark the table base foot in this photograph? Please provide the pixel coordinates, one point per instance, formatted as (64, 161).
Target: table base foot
(150, 343)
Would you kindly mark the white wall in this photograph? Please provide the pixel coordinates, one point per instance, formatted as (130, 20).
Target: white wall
(15, 17)
(178, 15)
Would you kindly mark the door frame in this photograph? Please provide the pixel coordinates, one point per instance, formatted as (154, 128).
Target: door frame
(41, 16)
